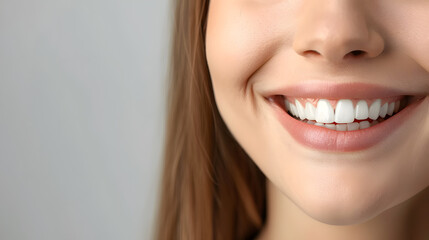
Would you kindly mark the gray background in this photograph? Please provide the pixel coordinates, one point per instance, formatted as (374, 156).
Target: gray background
(82, 94)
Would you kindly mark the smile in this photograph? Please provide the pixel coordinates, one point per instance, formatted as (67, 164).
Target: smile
(342, 124)
(343, 114)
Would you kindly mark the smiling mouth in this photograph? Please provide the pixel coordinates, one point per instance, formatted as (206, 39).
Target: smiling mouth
(343, 114)
(342, 117)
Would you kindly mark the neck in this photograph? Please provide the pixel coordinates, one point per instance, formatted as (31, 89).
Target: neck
(286, 221)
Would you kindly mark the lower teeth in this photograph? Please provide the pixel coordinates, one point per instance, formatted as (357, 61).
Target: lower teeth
(345, 127)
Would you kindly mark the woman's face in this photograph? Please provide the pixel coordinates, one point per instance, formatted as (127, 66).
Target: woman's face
(343, 68)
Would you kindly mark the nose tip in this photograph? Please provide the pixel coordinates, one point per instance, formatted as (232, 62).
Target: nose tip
(336, 31)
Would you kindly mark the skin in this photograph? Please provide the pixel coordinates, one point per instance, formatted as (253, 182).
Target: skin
(376, 193)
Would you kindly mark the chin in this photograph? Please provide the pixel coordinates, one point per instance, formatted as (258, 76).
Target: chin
(335, 212)
(346, 202)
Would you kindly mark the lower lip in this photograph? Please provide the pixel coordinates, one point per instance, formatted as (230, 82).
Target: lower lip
(325, 139)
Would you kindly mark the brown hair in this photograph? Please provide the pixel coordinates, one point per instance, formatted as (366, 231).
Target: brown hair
(210, 188)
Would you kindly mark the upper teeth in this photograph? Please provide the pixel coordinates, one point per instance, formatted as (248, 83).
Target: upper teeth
(346, 110)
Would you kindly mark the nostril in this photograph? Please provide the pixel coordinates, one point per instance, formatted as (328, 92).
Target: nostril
(356, 53)
(310, 53)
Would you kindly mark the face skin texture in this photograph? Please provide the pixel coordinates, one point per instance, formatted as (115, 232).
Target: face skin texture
(254, 46)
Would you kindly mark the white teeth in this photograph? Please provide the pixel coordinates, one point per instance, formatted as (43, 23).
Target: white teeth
(324, 112)
(374, 110)
(397, 105)
(310, 111)
(287, 104)
(344, 112)
(364, 124)
(361, 110)
(301, 111)
(352, 126)
(390, 108)
(341, 127)
(373, 123)
(383, 110)
(346, 127)
(293, 110)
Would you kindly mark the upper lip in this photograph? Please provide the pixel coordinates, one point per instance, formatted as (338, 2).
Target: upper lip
(329, 90)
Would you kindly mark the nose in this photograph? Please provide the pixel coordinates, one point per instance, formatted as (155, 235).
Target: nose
(336, 30)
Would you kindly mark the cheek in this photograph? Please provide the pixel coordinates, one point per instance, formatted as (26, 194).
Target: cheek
(416, 36)
(241, 36)
(226, 46)
(239, 40)
(407, 28)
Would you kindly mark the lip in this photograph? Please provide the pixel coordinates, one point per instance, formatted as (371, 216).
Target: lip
(330, 140)
(324, 139)
(329, 90)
